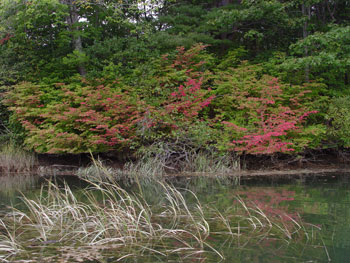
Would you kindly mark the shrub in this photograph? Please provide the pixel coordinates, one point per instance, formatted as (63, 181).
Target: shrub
(74, 118)
(92, 116)
(155, 81)
(339, 120)
(244, 110)
(179, 97)
(260, 114)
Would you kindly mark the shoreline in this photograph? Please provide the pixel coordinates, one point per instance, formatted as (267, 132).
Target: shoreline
(319, 164)
(70, 170)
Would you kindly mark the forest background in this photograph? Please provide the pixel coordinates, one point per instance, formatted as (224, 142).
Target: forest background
(229, 77)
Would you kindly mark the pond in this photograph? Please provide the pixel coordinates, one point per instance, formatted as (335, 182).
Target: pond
(266, 220)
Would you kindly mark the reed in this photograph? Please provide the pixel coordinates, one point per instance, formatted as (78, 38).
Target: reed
(14, 159)
(149, 168)
(108, 221)
(8, 244)
(98, 172)
(208, 162)
(145, 170)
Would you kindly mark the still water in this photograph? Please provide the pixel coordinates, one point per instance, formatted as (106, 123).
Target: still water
(322, 204)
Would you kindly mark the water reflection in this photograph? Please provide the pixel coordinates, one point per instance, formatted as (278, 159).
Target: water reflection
(11, 185)
(323, 206)
(274, 202)
(323, 203)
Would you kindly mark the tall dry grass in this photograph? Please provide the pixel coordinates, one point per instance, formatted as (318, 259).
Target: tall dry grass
(106, 221)
(110, 219)
(14, 159)
(150, 168)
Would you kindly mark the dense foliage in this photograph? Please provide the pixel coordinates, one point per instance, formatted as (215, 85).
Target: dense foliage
(256, 77)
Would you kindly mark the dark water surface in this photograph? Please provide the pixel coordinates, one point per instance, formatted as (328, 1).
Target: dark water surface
(322, 202)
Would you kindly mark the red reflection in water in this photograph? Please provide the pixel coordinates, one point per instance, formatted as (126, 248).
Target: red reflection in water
(272, 202)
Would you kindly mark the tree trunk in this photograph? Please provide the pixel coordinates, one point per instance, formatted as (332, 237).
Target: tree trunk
(305, 34)
(346, 78)
(72, 21)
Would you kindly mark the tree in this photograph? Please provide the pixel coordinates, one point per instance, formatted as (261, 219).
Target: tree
(328, 57)
(73, 20)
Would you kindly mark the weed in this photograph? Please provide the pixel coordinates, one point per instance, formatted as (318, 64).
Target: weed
(14, 159)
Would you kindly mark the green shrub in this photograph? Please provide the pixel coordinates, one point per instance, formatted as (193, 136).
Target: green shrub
(261, 115)
(74, 118)
(339, 120)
